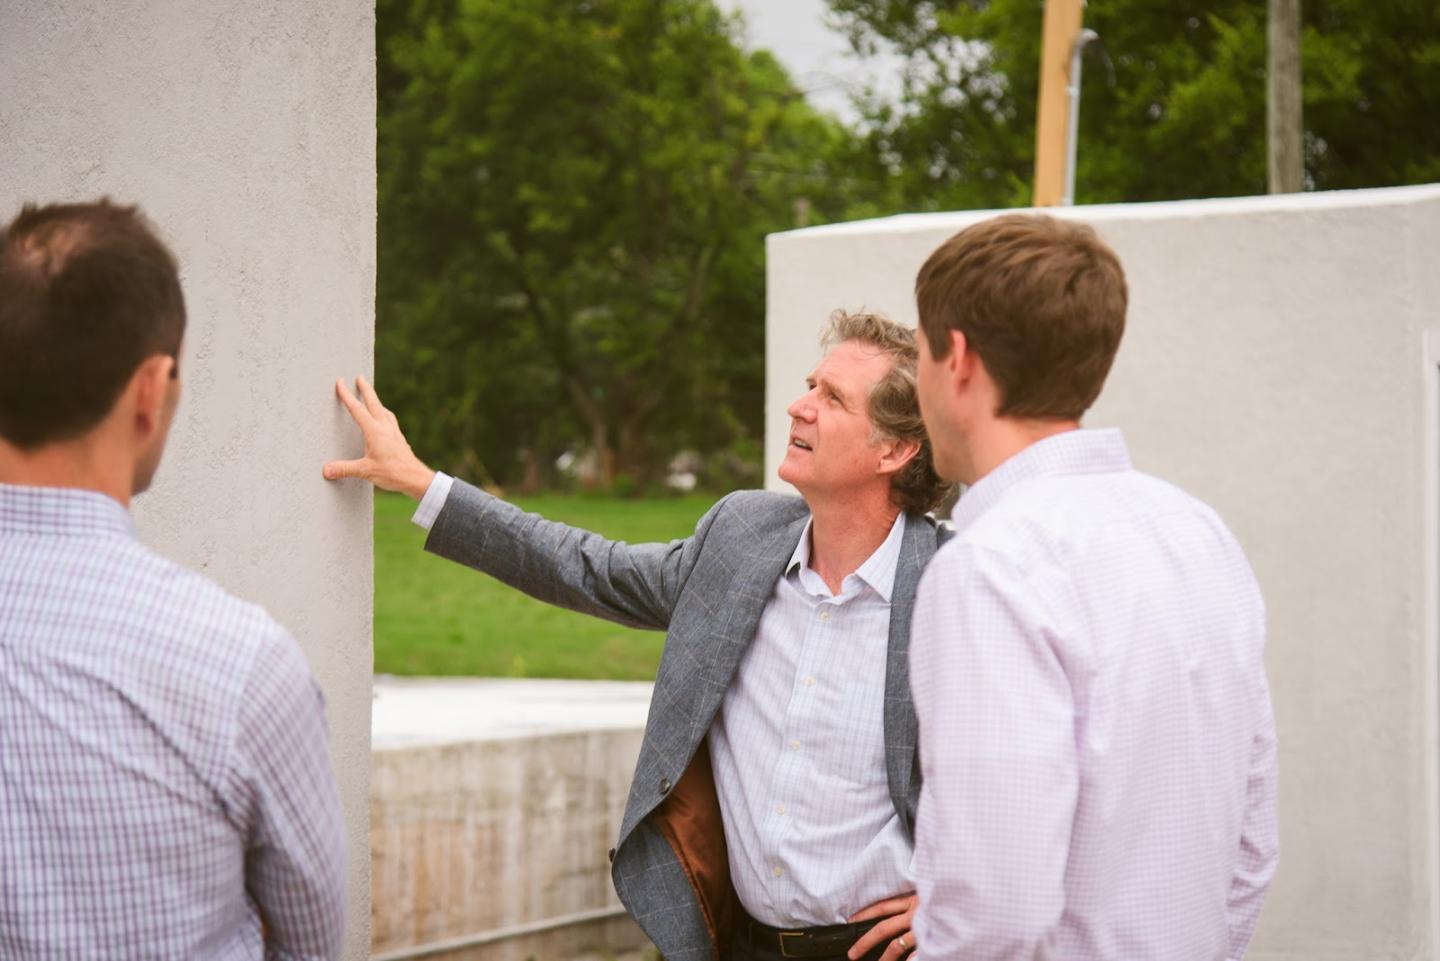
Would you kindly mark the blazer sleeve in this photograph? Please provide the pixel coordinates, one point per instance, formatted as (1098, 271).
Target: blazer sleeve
(637, 585)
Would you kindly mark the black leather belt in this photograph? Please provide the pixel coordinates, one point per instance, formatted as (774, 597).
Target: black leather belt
(826, 941)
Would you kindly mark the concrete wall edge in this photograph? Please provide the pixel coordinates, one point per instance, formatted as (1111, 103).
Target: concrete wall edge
(1102, 213)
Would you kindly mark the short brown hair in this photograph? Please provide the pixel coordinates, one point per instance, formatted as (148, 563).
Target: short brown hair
(894, 405)
(87, 293)
(1040, 300)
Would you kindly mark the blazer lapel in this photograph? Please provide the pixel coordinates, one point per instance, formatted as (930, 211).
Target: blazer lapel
(916, 549)
(758, 568)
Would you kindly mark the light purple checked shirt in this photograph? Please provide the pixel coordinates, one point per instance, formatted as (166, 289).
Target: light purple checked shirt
(1095, 725)
(164, 777)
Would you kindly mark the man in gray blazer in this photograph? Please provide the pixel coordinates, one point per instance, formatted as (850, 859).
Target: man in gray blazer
(773, 803)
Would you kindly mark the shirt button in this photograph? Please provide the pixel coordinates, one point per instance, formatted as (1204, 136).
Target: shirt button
(795, 745)
(665, 785)
(779, 809)
(824, 615)
(776, 871)
(809, 682)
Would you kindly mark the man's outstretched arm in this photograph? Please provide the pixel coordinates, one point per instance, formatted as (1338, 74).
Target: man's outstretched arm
(636, 585)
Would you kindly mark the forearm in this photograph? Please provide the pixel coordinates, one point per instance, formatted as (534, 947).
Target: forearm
(635, 585)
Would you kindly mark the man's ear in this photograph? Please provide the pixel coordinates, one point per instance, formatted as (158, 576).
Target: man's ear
(147, 392)
(961, 361)
(895, 453)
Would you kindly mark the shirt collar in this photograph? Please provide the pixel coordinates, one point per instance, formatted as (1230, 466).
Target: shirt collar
(61, 510)
(878, 571)
(1071, 452)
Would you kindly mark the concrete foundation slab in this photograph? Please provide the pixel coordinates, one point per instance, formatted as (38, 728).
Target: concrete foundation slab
(493, 805)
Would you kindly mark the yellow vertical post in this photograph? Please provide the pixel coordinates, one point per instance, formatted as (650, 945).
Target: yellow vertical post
(1063, 20)
(1283, 111)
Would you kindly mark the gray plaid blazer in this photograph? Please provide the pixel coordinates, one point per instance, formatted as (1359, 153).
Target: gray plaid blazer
(707, 592)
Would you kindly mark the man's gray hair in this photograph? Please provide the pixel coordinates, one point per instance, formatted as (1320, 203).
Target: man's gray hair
(894, 404)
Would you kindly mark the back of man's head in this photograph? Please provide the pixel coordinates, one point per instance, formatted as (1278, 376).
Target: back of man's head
(87, 294)
(1040, 300)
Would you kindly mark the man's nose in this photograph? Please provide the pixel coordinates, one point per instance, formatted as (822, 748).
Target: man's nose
(802, 408)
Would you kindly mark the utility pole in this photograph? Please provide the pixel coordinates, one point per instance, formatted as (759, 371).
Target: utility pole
(1072, 123)
(1063, 20)
(1285, 159)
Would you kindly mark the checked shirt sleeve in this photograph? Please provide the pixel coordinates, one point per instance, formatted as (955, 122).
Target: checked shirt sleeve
(295, 860)
(1260, 838)
(997, 742)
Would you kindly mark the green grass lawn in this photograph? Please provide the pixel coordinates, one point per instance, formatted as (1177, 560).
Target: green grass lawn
(433, 616)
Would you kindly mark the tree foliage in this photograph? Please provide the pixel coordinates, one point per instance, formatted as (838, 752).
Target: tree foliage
(1184, 115)
(573, 200)
(574, 194)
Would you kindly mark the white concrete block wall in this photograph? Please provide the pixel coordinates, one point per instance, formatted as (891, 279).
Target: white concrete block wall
(493, 804)
(500, 838)
(246, 130)
(1273, 365)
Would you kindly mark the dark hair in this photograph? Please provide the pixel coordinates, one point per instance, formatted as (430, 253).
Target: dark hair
(894, 405)
(87, 293)
(1040, 300)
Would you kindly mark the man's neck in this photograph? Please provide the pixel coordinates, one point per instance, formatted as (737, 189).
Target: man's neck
(844, 535)
(79, 465)
(1002, 438)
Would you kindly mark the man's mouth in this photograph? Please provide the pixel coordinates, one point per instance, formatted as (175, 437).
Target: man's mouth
(797, 442)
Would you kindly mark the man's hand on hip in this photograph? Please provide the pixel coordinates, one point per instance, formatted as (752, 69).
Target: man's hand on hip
(898, 913)
(389, 463)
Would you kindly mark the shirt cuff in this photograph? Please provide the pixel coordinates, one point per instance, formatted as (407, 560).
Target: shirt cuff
(433, 502)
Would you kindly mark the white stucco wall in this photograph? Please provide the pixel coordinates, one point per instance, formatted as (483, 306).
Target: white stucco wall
(1274, 365)
(246, 130)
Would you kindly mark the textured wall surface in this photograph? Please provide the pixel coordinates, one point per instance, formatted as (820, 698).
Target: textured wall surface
(1273, 365)
(246, 130)
(479, 837)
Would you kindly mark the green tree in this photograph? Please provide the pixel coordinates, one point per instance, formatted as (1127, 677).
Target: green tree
(573, 201)
(1185, 113)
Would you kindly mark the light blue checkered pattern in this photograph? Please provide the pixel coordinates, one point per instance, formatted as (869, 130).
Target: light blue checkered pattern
(164, 778)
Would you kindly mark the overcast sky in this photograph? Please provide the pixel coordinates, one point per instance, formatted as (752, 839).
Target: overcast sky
(818, 58)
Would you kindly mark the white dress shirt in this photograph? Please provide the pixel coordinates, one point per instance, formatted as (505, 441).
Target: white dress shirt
(435, 497)
(798, 745)
(799, 750)
(1095, 725)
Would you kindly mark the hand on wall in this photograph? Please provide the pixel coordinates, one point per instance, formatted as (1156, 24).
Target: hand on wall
(388, 463)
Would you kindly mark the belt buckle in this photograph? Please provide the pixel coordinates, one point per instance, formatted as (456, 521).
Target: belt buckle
(784, 950)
